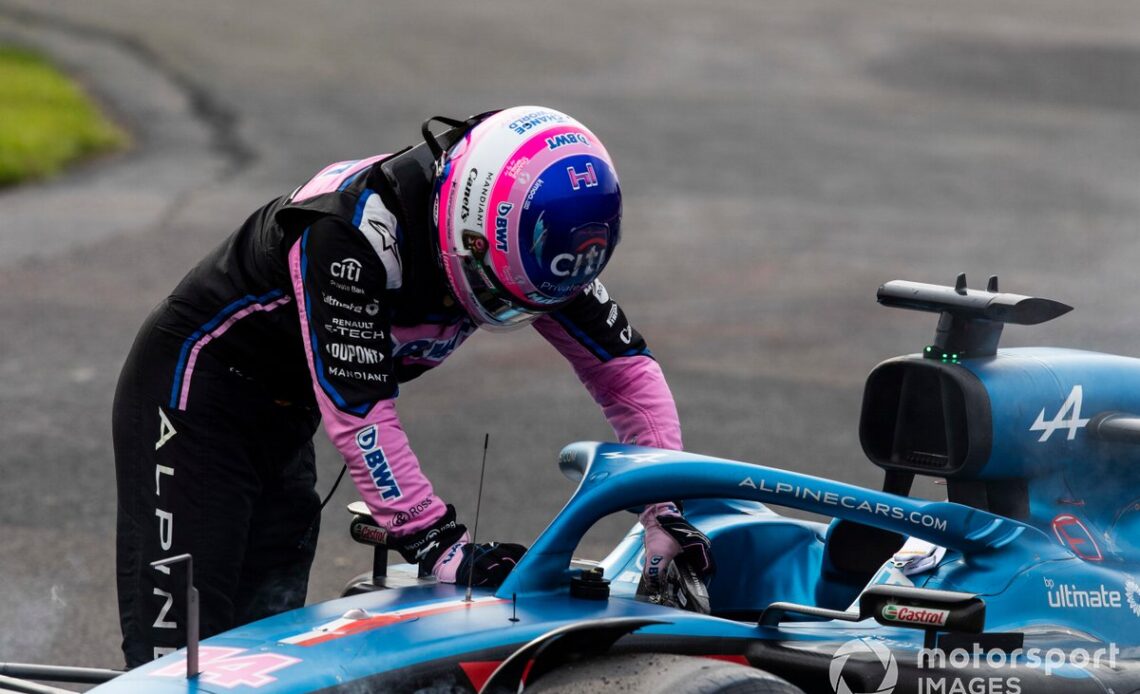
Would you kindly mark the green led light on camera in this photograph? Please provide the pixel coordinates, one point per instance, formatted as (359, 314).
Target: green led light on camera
(930, 352)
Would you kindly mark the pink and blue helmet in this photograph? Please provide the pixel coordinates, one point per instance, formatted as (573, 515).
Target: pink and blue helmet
(527, 209)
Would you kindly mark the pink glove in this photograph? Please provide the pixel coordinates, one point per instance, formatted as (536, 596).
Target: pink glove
(447, 566)
(668, 534)
(486, 564)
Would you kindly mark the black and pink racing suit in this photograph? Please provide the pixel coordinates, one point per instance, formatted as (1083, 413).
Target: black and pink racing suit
(316, 309)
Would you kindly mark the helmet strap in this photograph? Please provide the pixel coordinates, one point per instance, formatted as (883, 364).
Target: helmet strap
(433, 143)
(442, 143)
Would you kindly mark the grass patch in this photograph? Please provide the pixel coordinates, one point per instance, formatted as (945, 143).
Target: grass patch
(46, 120)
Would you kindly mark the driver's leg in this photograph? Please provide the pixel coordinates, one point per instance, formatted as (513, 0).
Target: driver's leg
(185, 485)
(282, 539)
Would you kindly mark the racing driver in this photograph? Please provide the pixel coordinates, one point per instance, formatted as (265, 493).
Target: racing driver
(317, 308)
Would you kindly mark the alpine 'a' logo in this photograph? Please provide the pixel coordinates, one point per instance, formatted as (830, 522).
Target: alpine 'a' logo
(1068, 417)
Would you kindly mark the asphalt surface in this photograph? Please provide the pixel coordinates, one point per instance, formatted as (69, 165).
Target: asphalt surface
(780, 161)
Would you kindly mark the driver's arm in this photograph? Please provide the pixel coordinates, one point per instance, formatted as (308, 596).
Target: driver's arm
(339, 282)
(614, 363)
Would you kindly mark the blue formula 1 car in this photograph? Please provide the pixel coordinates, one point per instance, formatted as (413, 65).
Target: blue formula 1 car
(1024, 580)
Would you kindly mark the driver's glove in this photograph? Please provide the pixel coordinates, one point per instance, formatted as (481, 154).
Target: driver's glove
(667, 535)
(446, 551)
(486, 564)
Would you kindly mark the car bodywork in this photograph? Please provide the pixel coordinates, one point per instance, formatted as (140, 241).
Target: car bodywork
(1036, 548)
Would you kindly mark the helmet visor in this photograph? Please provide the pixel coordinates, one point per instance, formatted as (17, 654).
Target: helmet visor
(498, 306)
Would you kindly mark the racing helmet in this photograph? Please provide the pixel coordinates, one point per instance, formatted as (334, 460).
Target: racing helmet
(526, 211)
